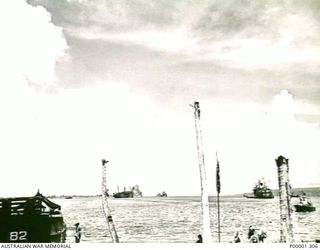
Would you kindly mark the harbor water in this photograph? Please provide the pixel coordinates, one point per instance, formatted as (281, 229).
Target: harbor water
(178, 219)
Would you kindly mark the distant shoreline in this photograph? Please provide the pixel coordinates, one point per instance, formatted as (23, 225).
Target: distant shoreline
(310, 191)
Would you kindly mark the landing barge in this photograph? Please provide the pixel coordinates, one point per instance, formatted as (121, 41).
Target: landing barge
(31, 220)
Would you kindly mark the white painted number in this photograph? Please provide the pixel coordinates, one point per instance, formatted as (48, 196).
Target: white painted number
(13, 236)
(20, 235)
(23, 235)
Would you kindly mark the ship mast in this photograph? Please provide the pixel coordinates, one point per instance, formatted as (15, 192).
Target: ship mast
(206, 233)
(105, 205)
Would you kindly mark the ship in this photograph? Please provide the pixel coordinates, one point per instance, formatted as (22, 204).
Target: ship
(260, 191)
(163, 194)
(132, 193)
(32, 219)
(304, 205)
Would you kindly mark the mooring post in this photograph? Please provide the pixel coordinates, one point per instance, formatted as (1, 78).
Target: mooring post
(286, 229)
(206, 232)
(105, 205)
(218, 186)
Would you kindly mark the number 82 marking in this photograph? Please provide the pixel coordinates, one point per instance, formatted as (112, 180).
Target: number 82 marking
(19, 235)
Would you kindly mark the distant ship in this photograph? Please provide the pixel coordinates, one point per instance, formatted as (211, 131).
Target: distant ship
(31, 220)
(260, 191)
(305, 204)
(163, 194)
(133, 193)
(304, 207)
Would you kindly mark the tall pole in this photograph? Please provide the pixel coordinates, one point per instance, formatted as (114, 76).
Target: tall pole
(206, 233)
(286, 229)
(105, 205)
(218, 185)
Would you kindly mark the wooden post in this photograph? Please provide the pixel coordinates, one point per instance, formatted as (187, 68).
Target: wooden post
(206, 232)
(218, 186)
(105, 205)
(286, 230)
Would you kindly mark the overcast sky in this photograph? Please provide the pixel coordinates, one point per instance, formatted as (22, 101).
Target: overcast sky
(83, 80)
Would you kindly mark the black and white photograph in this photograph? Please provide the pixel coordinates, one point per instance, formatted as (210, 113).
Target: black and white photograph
(160, 121)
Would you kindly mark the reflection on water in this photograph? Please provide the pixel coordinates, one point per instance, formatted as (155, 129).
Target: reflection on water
(177, 219)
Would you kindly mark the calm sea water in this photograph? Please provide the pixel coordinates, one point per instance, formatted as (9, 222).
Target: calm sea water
(177, 219)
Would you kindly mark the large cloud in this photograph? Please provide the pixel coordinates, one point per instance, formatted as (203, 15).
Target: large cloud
(249, 140)
(30, 43)
(30, 47)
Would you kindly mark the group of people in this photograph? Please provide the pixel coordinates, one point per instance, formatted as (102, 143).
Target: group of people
(254, 236)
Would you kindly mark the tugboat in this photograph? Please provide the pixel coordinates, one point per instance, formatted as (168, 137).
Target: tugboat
(261, 191)
(31, 220)
(304, 205)
(133, 193)
(163, 194)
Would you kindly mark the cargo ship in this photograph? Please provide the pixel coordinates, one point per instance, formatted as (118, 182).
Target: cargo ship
(31, 220)
(132, 193)
(163, 194)
(260, 191)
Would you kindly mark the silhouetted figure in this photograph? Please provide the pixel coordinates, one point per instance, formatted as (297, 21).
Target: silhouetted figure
(258, 236)
(251, 232)
(77, 235)
(38, 193)
(262, 236)
(104, 162)
(254, 239)
(199, 239)
(237, 238)
(303, 199)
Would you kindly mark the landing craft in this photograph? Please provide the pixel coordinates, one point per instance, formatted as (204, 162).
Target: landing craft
(31, 219)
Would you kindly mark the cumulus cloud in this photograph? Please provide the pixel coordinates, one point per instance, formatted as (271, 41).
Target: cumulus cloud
(298, 140)
(31, 44)
(249, 141)
(30, 47)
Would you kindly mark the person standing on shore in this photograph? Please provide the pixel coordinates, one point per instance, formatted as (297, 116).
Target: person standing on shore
(77, 235)
(199, 239)
(237, 238)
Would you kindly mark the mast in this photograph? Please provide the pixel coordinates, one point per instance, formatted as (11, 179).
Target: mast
(286, 229)
(206, 233)
(105, 205)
